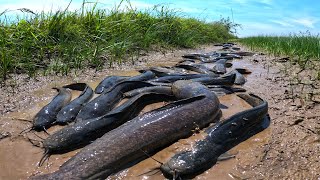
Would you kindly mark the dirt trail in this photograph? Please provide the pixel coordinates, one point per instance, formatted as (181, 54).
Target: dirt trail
(288, 149)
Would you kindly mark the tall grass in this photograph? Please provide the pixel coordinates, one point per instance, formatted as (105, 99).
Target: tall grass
(303, 46)
(64, 40)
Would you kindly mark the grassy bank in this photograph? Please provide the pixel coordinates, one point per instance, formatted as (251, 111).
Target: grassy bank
(300, 47)
(303, 66)
(91, 37)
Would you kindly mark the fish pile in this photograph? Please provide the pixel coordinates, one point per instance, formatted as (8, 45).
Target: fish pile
(116, 136)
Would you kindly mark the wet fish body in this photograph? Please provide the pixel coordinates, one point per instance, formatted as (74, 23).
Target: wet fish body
(170, 79)
(146, 75)
(223, 80)
(162, 71)
(84, 132)
(152, 89)
(103, 104)
(68, 113)
(48, 114)
(220, 138)
(196, 68)
(108, 83)
(239, 78)
(149, 132)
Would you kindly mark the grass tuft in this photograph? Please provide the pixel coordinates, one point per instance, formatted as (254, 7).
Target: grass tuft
(303, 68)
(57, 42)
(303, 46)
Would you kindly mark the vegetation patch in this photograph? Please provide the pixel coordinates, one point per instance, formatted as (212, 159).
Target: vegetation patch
(57, 42)
(299, 58)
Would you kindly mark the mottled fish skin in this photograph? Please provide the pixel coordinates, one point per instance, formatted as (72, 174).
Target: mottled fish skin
(173, 78)
(108, 83)
(196, 68)
(148, 132)
(239, 78)
(48, 114)
(153, 89)
(163, 71)
(146, 75)
(243, 70)
(82, 133)
(68, 113)
(104, 103)
(220, 66)
(220, 138)
(223, 80)
(222, 90)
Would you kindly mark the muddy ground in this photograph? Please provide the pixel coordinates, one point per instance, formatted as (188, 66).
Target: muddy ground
(288, 149)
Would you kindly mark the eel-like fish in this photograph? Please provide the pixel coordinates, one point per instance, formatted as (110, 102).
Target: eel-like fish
(68, 113)
(103, 104)
(108, 83)
(48, 114)
(220, 138)
(84, 132)
(147, 133)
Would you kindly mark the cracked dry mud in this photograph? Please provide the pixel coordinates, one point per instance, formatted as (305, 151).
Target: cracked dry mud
(288, 149)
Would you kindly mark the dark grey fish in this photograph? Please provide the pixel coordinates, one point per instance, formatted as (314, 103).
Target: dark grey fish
(223, 80)
(221, 137)
(102, 104)
(201, 56)
(173, 78)
(215, 59)
(108, 83)
(156, 129)
(243, 53)
(82, 133)
(192, 56)
(221, 91)
(68, 113)
(196, 68)
(144, 76)
(243, 70)
(48, 114)
(240, 79)
(152, 89)
(227, 45)
(225, 89)
(162, 71)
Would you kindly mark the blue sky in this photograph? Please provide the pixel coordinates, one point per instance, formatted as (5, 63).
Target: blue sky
(264, 17)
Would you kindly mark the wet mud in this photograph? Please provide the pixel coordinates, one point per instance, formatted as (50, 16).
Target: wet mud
(289, 148)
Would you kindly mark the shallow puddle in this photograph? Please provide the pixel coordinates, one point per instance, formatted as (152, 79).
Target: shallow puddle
(19, 158)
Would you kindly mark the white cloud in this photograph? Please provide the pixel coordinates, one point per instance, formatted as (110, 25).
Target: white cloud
(282, 23)
(307, 22)
(255, 29)
(269, 2)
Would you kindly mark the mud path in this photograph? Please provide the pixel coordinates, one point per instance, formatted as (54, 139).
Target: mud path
(288, 149)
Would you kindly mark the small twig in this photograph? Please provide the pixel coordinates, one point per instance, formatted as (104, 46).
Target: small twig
(21, 119)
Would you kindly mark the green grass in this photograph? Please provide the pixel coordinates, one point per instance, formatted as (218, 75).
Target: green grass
(303, 69)
(57, 42)
(301, 47)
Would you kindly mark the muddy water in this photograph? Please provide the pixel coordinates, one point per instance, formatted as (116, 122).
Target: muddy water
(19, 158)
